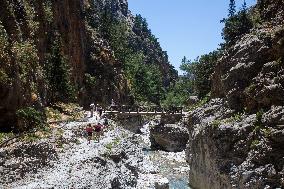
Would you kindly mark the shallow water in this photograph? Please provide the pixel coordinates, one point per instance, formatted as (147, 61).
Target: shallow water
(179, 183)
(171, 165)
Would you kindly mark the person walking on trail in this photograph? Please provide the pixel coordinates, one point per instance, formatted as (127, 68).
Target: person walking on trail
(105, 122)
(112, 105)
(92, 107)
(89, 130)
(98, 130)
(100, 110)
(112, 102)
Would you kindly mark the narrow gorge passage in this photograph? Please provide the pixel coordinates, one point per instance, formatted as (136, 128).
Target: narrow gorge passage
(220, 64)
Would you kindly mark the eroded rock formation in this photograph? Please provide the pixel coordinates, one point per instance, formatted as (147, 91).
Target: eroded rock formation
(169, 137)
(236, 140)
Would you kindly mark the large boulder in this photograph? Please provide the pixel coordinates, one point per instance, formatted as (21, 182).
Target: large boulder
(162, 183)
(192, 100)
(169, 137)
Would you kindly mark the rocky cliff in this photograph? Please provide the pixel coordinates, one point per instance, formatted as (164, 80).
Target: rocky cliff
(30, 31)
(237, 138)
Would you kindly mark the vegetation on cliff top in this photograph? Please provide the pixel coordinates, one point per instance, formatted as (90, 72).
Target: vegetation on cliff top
(197, 73)
(142, 67)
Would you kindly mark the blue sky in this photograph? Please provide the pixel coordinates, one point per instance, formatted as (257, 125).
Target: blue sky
(185, 27)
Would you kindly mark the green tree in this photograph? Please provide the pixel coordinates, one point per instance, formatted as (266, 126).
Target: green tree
(179, 92)
(236, 25)
(232, 8)
(141, 27)
(145, 80)
(199, 72)
(118, 38)
(58, 75)
(140, 62)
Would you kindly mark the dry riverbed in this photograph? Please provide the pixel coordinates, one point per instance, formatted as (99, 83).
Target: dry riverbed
(118, 159)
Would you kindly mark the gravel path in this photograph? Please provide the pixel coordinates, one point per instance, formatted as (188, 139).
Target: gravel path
(117, 160)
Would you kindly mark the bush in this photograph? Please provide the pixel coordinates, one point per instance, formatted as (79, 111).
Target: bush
(90, 80)
(4, 78)
(47, 7)
(31, 17)
(25, 54)
(29, 118)
(3, 43)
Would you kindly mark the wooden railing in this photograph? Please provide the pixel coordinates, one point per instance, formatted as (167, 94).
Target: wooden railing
(124, 109)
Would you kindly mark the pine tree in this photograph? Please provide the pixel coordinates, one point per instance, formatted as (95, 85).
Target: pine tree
(244, 6)
(244, 20)
(236, 25)
(232, 8)
(58, 75)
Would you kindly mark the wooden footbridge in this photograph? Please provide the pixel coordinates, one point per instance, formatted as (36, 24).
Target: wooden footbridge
(144, 110)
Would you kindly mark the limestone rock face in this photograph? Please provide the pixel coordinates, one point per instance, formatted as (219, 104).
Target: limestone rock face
(169, 137)
(250, 73)
(30, 28)
(36, 25)
(235, 150)
(236, 140)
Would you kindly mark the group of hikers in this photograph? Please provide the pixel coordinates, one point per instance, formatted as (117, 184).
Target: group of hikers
(96, 108)
(90, 129)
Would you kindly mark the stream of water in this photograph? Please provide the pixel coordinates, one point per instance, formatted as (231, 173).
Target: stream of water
(171, 165)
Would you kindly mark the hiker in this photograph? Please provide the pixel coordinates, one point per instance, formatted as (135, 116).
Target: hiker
(112, 102)
(89, 130)
(105, 122)
(98, 129)
(112, 105)
(100, 110)
(92, 106)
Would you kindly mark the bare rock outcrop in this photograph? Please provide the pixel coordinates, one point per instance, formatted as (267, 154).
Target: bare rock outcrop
(236, 140)
(250, 72)
(168, 137)
(235, 150)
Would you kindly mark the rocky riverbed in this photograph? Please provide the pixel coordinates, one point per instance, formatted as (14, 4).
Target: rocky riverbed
(171, 165)
(118, 159)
